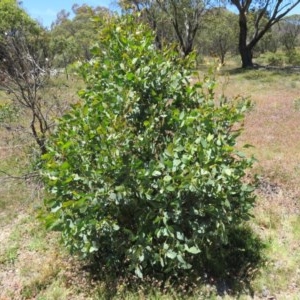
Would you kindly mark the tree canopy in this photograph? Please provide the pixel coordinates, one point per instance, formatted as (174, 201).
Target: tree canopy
(72, 38)
(183, 16)
(263, 15)
(13, 17)
(187, 18)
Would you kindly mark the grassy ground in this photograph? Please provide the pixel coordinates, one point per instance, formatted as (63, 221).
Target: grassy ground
(272, 127)
(33, 265)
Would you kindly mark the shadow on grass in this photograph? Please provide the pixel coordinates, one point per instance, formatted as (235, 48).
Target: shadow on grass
(273, 70)
(226, 269)
(233, 266)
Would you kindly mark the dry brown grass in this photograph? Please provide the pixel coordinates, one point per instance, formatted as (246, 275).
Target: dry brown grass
(273, 128)
(32, 262)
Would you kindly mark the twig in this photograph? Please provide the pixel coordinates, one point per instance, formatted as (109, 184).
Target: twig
(21, 177)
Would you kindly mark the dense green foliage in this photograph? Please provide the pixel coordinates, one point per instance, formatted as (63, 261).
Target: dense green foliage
(13, 17)
(143, 174)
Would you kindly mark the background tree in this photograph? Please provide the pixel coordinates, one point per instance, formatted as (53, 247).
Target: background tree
(289, 30)
(212, 39)
(13, 17)
(184, 16)
(73, 38)
(25, 68)
(257, 12)
(270, 42)
(151, 14)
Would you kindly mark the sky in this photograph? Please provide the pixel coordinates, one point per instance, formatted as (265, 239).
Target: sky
(45, 11)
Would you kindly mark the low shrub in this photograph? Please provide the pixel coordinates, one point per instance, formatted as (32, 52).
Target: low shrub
(275, 59)
(293, 57)
(8, 113)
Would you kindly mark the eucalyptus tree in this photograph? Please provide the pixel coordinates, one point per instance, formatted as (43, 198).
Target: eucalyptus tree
(212, 39)
(262, 15)
(289, 32)
(72, 38)
(143, 176)
(183, 16)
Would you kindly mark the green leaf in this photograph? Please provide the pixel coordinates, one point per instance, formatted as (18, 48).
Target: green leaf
(167, 178)
(180, 236)
(176, 162)
(209, 137)
(93, 249)
(130, 76)
(171, 254)
(65, 165)
(181, 116)
(227, 203)
(169, 150)
(227, 171)
(138, 272)
(192, 250)
(141, 257)
(56, 208)
(203, 143)
(76, 177)
(183, 263)
(170, 188)
(156, 173)
(116, 227)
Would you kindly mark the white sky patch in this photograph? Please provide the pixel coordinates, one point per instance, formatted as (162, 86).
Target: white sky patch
(48, 12)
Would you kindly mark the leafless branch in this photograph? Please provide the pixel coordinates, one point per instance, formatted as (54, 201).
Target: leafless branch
(24, 70)
(27, 176)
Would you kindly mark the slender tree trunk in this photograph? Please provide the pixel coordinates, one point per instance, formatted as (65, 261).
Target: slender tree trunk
(187, 48)
(65, 66)
(222, 58)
